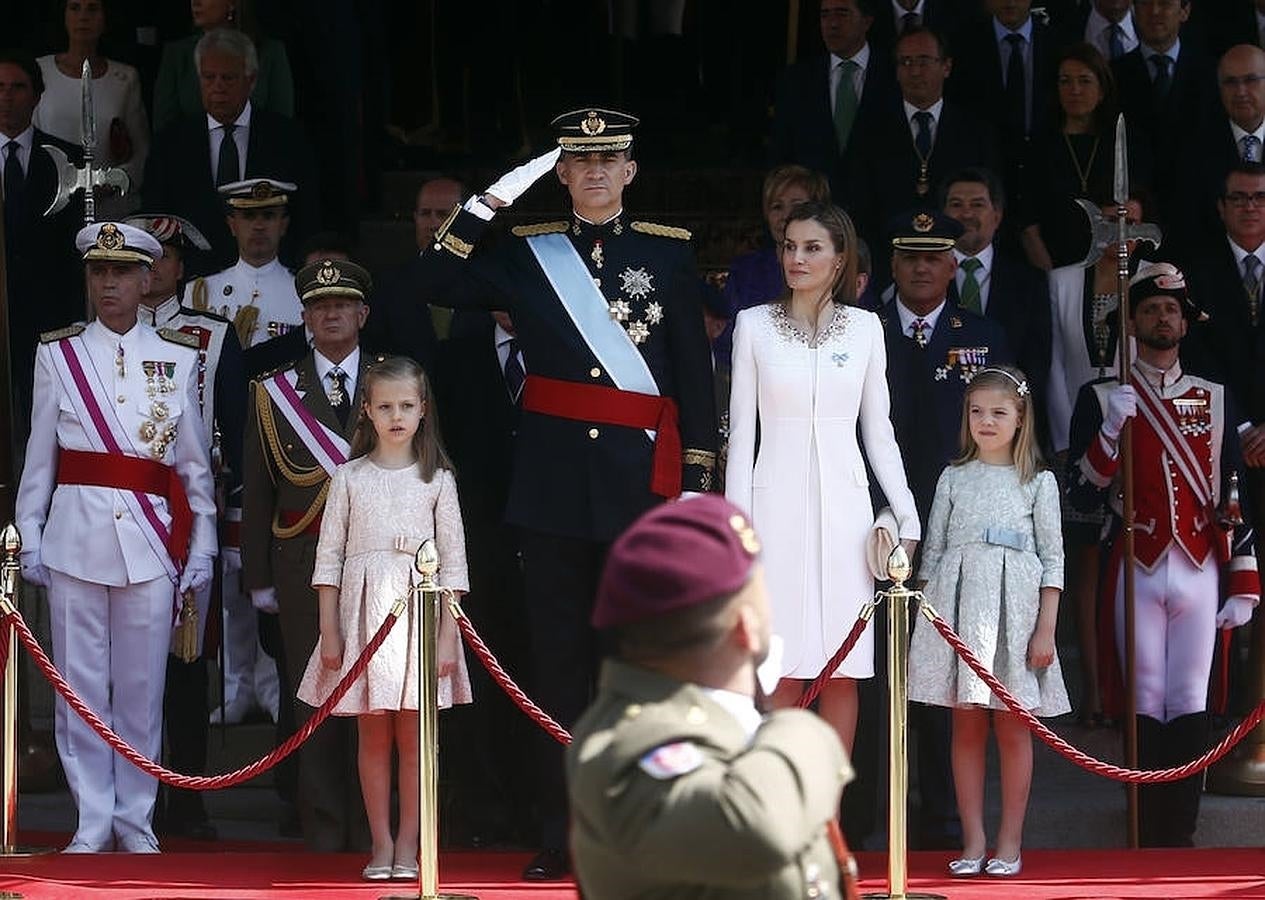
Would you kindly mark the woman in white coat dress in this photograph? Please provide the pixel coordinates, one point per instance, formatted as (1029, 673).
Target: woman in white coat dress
(806, 367)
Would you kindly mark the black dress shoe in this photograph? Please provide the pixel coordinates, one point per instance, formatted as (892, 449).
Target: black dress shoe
(548, 865)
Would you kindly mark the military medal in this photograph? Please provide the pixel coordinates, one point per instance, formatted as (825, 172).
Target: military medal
(620, 310)
(654, 314)
(148, 431)
(118, 362)
(596, 255)
(638, 331)
(158, 409)
(924, 183)
(636, 282)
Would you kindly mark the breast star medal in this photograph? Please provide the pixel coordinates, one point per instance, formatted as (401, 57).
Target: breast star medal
(620, 310)
(636, 282)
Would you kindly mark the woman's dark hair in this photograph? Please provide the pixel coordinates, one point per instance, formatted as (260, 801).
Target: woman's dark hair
(1088, 56)
(843, 237)
(26, 62)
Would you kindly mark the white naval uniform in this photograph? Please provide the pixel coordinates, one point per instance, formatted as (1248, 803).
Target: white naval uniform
(270, 288)
(250, 676)
(110, 596)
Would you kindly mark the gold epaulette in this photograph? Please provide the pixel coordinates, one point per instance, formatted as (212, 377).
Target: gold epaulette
(179, 337)
(539, 228)
(670, 231)
(69, 331)
(198, 296)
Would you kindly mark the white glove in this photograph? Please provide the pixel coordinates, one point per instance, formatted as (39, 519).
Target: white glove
(689, 495)
(265, 600)
(34, 571)
(1236, 611)
(197, 573)
(510, 186)
(1122, 404)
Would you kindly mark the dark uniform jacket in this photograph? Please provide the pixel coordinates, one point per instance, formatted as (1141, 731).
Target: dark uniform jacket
(583, 479)
(928, 385)
(671, 798)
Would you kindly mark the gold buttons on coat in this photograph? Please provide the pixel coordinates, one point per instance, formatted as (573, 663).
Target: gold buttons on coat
(593, 433)
(118, 514)
(122, 399)
(595, 372)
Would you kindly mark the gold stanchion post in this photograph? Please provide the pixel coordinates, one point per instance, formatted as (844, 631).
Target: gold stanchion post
(10, 577)
(427, 596)
(898, 598)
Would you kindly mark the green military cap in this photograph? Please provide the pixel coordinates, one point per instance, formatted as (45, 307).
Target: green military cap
(594, 130)
(332, 277)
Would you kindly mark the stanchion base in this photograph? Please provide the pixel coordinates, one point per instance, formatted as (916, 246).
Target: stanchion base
(18, 851)
(1242, 774)
(420, 896)
(912, 895)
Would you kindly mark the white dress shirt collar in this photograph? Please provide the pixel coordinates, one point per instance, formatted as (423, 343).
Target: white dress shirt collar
(25, 141)
(861, 58)
(1001, 32)
(1173, 53)
(1159, 378)
(1240, 134)
(899, 12)
(609, 218)
(246, 270)
(907, 317)
(350, 365)
(983, 275)
(1240, 254)
(242, 121)
(934, 109)
(163, 312)
(1096, 30)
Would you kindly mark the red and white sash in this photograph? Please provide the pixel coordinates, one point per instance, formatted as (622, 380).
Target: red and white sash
(1156, 412)
(329, 448)
(87, 393)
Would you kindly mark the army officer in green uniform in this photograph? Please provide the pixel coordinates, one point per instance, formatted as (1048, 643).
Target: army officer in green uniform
(679, 786)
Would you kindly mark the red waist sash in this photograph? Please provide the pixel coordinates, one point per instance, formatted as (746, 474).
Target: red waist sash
(288, 518)
(611, 406)
(134, 473)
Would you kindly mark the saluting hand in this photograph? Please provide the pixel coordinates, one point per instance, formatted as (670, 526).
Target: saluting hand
(510, 186)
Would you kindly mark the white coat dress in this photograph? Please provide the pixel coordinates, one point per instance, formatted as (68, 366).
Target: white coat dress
(807, 489)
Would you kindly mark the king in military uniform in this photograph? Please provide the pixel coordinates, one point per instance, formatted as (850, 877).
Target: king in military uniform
(222, 404)
(257, 295)
(618, 410)
(680, 787)
(117, 514)
(1190, 543)
(299, 427)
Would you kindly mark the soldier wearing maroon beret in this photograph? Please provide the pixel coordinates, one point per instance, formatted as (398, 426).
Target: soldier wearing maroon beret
(679, 786)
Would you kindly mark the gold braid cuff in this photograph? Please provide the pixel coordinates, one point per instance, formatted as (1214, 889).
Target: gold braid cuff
(704, 458)
(299, 476)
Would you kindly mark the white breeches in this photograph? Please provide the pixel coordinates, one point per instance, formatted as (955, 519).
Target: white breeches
(250, 675)
(1175, 633)
(111, 644)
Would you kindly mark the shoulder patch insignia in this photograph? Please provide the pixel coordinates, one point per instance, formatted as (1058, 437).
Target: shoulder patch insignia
(179, 337)
(539, 228)
(49, 337)
(672, 760)
(669, 231)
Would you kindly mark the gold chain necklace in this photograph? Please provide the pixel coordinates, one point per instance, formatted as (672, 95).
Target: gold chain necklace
(1082, 174)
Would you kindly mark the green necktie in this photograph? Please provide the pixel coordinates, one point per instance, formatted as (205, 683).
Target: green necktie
(970, 285)
(845, 103)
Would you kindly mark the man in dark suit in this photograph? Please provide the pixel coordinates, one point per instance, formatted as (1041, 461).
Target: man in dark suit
(1162, 82)
(934, 347)
(892, 18)
(919, 140)
(478, 383)
(281, 517)
(1003, 287)
(822, 101)
(1005, 76)
(190, 159)
(42, 270)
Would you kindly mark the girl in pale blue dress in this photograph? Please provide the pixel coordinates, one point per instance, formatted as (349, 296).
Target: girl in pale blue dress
(993, 568)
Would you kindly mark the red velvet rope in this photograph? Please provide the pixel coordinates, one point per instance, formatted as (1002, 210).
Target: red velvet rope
(502, 678)
(1084, 760)
(858, 627)
(175, 779)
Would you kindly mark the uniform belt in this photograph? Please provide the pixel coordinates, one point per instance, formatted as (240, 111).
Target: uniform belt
(288, 518)
(134, 473)
(611, 406)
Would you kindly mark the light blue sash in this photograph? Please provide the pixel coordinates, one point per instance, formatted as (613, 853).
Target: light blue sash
(588, 309)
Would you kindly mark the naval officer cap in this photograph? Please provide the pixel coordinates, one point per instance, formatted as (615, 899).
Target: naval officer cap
(332, 278)
(924, 231)
(1163, 279)
(256, 193)
(170, 230)
(117, 242)
(676, 556)
(594, 130)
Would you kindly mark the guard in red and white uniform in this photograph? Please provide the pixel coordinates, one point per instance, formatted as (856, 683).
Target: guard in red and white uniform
(117, 515)
(1190, 546)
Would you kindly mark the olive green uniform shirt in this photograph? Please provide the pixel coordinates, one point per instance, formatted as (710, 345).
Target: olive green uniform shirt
(671, 797)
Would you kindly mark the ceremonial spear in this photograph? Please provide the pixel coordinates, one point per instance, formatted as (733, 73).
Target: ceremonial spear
(1120, 232)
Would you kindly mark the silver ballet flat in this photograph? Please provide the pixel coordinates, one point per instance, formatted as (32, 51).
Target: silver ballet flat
(1004, 867)
(966, 866)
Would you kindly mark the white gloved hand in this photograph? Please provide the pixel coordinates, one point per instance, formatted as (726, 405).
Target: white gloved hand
(197, 572)
(1122, 404)
(510, 186)
(34, 571)
(689, 495)
(1236, 611)
(265, 600)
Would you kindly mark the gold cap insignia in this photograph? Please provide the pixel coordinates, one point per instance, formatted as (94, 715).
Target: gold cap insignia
(923, 223)
(328, 273)
(593, 124)
(262, 191)
(746, 534)
(109, 237)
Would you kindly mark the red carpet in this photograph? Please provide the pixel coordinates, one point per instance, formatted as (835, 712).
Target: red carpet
(262, 872)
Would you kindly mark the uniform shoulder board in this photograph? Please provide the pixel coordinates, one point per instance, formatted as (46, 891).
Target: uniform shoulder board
(671, 760)
(539, 228)
(49, 337)
(670, 231)
(179, 337)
